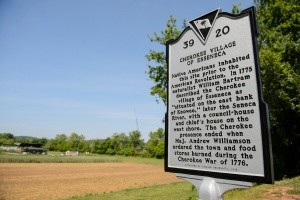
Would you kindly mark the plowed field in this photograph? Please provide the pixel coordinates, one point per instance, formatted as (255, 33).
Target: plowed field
(63, 180)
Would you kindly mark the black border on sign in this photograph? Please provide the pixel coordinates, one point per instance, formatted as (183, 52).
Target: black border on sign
(264, 115)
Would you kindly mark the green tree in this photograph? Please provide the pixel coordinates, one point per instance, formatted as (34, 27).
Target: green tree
(136, 143)
(7, 139)
(104, 146)
(155, 144)
(42, 141)
(236, 8)
(59, 143)
(76, 142)
(118, 143)
(96, 146)
(158, 73)
(279, 43)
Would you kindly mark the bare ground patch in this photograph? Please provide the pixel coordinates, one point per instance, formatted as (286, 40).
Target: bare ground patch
(280, 193)
(63, 180)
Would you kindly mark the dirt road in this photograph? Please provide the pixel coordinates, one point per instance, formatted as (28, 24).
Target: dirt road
(63, 180)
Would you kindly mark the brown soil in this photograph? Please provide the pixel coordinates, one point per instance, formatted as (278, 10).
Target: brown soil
(280, 193)
(55, 181)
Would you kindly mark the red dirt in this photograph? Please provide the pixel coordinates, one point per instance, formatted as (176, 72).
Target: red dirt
(280, 193)
(63, 180)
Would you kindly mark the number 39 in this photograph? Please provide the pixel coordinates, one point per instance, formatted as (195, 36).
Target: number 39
(187, 44)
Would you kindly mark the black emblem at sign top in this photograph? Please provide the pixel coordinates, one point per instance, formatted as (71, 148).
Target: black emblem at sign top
(203, 25)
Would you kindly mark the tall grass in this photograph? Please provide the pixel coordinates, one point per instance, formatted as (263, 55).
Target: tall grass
(55, 158)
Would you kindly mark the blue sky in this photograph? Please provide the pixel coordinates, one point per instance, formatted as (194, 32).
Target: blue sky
(79, 65)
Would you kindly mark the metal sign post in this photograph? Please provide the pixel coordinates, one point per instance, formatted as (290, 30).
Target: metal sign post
(212, 188)
(217, 129)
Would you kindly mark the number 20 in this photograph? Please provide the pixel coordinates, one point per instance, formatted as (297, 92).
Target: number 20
(224, 31)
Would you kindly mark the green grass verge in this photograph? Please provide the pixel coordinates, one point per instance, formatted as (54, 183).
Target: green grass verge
(257, 192)
(55, 158)
(178, 191)
(140, 160)
(186, 191)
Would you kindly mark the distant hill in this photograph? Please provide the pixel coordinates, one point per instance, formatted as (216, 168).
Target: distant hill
(25, 138)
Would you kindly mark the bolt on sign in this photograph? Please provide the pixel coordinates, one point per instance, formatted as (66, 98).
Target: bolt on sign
(217, 121)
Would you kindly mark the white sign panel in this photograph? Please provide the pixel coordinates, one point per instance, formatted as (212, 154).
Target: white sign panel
(216, 119)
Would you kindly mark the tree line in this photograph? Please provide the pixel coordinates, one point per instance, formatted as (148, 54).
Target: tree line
(130, 144)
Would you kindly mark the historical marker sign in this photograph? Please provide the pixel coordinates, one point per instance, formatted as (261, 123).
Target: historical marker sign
(216, 121)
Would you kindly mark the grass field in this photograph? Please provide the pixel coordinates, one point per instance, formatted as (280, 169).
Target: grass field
(178, 191)
(288, 189)
(56, 157)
